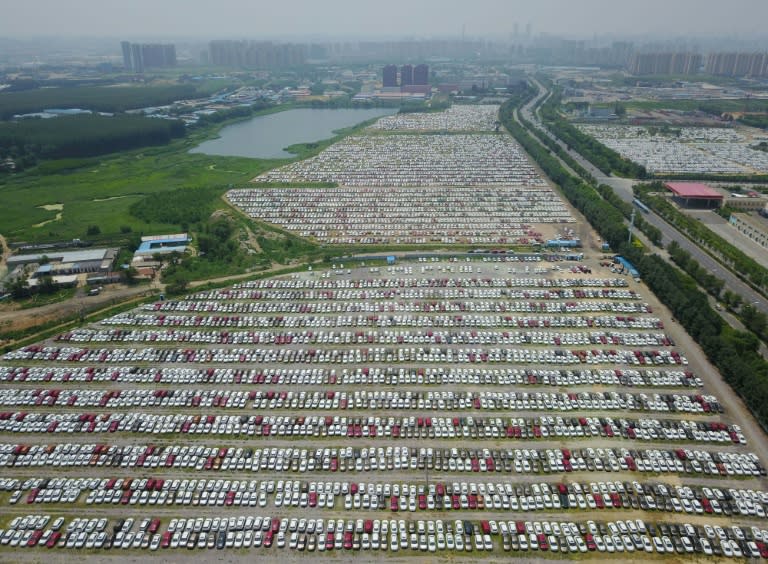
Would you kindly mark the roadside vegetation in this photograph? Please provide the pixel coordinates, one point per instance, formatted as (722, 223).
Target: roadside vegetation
(607, 160)
(742, 264)
(734, 353)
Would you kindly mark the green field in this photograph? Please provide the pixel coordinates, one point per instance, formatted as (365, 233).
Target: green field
(100, 191)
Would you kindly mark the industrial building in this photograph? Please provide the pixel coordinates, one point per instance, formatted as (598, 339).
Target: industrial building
(62, 263)
(694, 195)
(161, 245)
(741, 202)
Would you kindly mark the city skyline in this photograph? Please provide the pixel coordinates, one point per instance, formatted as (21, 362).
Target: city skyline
(238, 18)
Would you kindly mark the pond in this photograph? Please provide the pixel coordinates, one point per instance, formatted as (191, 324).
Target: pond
(266, 137)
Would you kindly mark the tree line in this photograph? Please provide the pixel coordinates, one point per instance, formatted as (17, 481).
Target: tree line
(83, 135)
(96, 98)
(607, 160)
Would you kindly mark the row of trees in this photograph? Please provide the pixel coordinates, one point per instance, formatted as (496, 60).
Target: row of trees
(607, 160)
(682, 258)
(245, 111)
(755, 320)
(96, 98)
(652, 232)
(83, 135)
(734, 353)
(741, 263)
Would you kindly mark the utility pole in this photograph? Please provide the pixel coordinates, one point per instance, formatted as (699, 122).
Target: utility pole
(631, 225)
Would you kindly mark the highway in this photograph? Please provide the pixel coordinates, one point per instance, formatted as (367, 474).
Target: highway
(623, 188)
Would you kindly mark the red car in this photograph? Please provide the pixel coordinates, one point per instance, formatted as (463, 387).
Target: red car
(53, 540)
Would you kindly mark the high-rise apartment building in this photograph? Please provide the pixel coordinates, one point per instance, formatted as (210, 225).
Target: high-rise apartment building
(421, 75)
(389, 76)
(126, 47)
(665, 63)
(406, 75)
(256, 54)
(738, 64)
(140, 56)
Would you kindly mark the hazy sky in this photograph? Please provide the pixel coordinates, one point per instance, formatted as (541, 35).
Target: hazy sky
(209, 19)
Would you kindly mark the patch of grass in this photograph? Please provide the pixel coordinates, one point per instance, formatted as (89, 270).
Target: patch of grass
(133, 174)
(40, 300)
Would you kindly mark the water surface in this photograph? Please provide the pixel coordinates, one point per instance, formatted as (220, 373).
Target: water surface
(266, 137)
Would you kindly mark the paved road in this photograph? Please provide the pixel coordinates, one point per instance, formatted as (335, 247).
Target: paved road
(623, 188)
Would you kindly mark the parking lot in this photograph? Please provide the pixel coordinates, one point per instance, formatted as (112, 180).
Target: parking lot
(424, 178)
(456, 118)
(704, 150)
(430, 407)
(410, 214)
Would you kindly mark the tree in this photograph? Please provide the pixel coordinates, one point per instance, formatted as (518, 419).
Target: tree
(178, 286)
(93, 230)
(129, 275)
(46, 285)
(19, 288)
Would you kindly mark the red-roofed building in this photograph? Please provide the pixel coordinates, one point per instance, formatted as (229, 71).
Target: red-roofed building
(694, 195)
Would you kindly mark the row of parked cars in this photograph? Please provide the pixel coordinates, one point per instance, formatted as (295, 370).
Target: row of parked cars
(455, 118)
(385, 287)
(654, 377)
(439, 496)
(138, 319)
(621, 536)
(338, 355)
(373, 459)
(372, 427)
(355, 400)
(607, 304)
(371, 400)
(372, 336)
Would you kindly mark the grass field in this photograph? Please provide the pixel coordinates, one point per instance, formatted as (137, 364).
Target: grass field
(101, 191)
